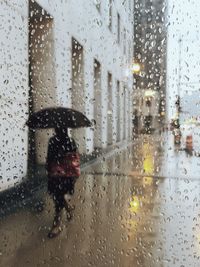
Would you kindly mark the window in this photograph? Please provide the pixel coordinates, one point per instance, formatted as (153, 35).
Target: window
(110, 15)
(124, 49)
(118, 29)
(77, 75)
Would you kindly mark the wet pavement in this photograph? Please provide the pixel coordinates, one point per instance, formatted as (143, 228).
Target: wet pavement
(138, 207)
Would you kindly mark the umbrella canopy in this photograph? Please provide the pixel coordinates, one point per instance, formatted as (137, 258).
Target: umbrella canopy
(58, 117)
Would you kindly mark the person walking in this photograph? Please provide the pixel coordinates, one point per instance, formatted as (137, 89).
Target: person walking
(63, 167)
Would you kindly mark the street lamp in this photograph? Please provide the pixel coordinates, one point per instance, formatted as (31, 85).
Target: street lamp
(177, 103)
(135, 68)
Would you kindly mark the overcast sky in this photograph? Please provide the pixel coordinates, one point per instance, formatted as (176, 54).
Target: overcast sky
(183, 58)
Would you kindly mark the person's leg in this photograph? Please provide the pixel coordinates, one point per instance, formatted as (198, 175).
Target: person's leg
(68, 196)
(59, 205)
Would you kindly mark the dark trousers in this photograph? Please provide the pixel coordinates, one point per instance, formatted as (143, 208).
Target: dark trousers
(58, 187)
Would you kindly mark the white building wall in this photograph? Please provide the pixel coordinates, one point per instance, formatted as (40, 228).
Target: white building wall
(89, 27)
(13, 93)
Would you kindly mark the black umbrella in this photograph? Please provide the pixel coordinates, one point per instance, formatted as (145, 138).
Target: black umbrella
(58, 117)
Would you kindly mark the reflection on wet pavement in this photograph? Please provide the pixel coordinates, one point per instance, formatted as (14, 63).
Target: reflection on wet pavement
(139, 207)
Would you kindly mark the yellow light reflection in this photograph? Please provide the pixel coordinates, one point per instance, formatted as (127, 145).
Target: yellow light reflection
(147, 180)
(148, 163)
(137, 202)
(134, 204)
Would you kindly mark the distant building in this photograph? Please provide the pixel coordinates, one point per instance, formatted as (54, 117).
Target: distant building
(190, 106)
(150, 37)
(63, 53)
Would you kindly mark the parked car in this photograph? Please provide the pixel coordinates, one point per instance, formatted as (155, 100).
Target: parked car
(191, 137)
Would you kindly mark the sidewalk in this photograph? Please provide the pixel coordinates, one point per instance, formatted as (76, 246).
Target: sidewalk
(132, 204)
(31, 191)
(100, 194)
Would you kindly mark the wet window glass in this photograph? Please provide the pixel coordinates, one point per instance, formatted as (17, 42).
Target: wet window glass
(99, 133)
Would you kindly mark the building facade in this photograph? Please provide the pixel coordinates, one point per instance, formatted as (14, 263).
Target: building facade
(63, 53)
(150, 39)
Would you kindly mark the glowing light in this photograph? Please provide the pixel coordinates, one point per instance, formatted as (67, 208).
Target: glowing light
(135, 68)
(134, 204)
(149, 93)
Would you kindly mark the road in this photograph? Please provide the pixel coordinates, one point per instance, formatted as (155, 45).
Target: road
(137, 207)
